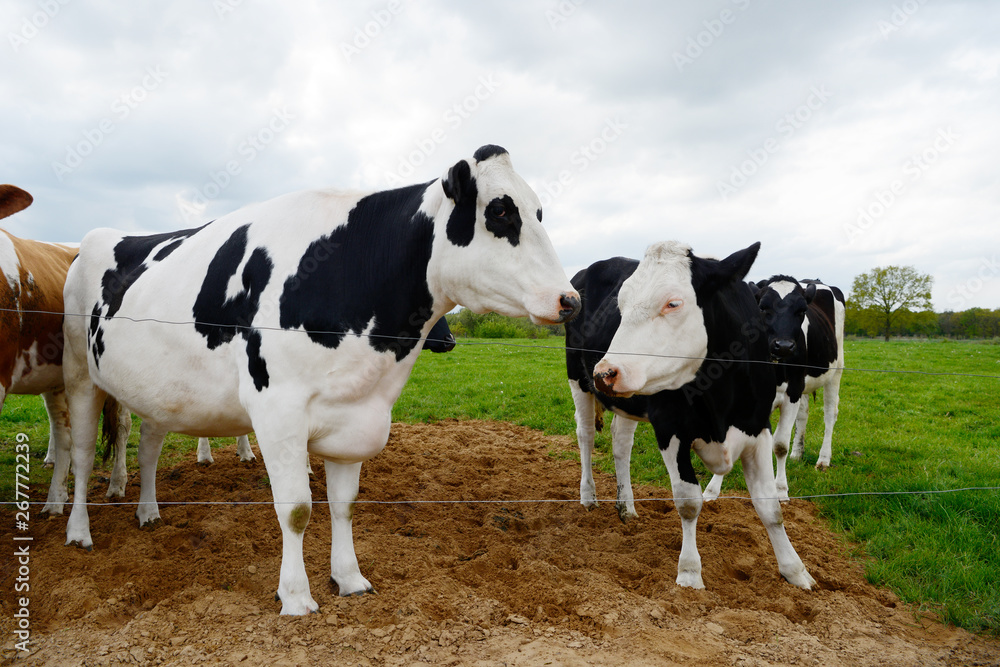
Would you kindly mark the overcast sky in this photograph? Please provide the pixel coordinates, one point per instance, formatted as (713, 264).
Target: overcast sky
(842, 135)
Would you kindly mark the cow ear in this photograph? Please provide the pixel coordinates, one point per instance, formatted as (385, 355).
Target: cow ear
(458, 181)
(713, 274)
(754, 289)
(810, 292)
(737, 265)
(12, 200)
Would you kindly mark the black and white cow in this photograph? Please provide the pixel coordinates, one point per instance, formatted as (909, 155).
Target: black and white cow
(439, 340)
(805, 335)
(299, 318)
(665, 340)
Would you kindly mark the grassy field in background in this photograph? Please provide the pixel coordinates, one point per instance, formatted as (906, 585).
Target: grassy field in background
(897, 432)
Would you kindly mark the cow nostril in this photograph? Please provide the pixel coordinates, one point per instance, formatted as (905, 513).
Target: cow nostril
(569, 307)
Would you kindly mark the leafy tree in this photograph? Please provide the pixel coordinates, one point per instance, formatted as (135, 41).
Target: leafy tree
(891, 290)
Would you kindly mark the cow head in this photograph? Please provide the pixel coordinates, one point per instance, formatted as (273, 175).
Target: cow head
(490, 251)
(784, 302)
(663, 337)
(12, 200)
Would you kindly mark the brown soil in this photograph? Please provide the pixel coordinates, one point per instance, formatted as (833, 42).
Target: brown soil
(497, 583)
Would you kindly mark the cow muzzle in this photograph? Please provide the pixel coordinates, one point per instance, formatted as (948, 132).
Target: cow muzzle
(781, 349)
(609, 379)
(569, 306)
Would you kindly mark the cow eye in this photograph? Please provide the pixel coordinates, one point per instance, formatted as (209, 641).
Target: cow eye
(497, 210)
(672, 305)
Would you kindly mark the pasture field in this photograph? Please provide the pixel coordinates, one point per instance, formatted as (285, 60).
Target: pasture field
(915, 444)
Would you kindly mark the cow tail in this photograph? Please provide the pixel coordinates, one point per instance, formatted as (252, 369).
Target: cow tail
(109, 427)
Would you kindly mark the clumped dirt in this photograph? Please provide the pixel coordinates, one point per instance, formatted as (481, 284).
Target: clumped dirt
(493, 583)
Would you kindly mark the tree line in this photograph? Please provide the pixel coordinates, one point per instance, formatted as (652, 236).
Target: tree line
(886, 301)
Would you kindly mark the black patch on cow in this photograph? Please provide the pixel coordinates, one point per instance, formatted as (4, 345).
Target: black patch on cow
(130, 260)
(131, 254)
(538, 214)
(374, 266)
(488, 151)
(460, 186)
(503, 219)
(734, 386)
(218, 318)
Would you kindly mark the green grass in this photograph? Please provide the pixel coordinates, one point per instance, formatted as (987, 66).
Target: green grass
(896, 432)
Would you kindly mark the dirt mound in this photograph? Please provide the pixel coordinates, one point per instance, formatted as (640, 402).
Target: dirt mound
(485, 583)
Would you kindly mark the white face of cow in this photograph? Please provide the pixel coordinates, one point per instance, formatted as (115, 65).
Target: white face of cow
(662, 340)
(664, 334)
(490, 251)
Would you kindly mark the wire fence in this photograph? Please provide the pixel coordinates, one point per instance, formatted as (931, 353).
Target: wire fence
(321, 332)
(504, 342)
(521, 501)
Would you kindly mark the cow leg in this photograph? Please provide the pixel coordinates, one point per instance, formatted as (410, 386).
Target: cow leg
(60, 449)
(622, 439)
(687, 499)
(59, 453)
(787, 410)
(150, 445)
(757, 471)
(204, 451)
(85, 404)
(801, 421)
(283, 453)
(242, 449)
(585, 413)
(59, 436)
(713, 488)
(119, 472)
(342, 480)
(831, 405)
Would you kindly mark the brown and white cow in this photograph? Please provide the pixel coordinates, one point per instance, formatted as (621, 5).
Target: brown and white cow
(31, 314)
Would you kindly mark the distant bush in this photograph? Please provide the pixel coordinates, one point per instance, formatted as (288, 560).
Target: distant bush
(465, 323)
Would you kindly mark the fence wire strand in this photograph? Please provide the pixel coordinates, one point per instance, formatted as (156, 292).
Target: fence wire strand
(519, 501)
(317, 332)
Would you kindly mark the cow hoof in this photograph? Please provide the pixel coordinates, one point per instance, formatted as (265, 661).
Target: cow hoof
(80, 545)
(205, 463)
(690, 580)
(821, 466)
(53, 508)
(368, 589)
(150, 524)
(626, 515)
(309, 606)
(802, 579)
(589, 504)
(710, 495)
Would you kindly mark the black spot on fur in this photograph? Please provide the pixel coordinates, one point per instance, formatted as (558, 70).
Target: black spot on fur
(374, 267)
(131, 255)
(218, 318)
(503, 219)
